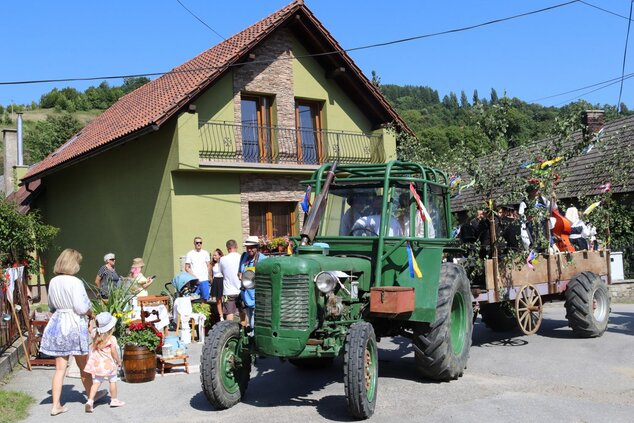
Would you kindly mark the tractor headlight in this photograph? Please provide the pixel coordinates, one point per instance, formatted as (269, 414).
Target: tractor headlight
(326, 281)
(248, 279)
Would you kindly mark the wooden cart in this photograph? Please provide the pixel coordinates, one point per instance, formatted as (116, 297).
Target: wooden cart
(516, 296)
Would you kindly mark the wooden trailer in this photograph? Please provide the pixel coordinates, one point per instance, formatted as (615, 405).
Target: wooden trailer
(516, 296)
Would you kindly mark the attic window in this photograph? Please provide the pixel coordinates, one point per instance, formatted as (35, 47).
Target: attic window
(66, 144)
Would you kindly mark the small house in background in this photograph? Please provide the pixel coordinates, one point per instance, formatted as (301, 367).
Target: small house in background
(214, 148)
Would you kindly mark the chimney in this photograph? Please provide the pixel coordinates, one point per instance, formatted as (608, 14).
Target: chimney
(593, 121)
(20, 142)
(9, 139)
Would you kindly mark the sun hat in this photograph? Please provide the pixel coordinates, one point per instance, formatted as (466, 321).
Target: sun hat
(105, 322)
(137, 262)
(108, 256)
(252, 240)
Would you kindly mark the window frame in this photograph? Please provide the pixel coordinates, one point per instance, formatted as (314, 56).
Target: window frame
(315, 107)
(264, 115)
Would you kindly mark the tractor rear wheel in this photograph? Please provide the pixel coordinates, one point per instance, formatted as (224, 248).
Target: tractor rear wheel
(441, 348)
(587, 305)
(361, 370)
(225, 367)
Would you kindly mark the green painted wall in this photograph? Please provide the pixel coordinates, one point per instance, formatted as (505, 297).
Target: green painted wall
(340, 112)
(118, 201)
(217, 104)
(205, 204)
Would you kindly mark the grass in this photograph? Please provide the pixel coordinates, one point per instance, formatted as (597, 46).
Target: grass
(14, 406)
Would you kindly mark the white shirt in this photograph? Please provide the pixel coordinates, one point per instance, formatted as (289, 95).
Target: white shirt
(370, 226)
(229, 267)
(215, 270)
(198, 261)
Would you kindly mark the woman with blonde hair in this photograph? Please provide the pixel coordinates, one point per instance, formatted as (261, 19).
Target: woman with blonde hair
(66, 333)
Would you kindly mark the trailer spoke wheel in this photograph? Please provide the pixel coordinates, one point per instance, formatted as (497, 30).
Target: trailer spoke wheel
(529, 309)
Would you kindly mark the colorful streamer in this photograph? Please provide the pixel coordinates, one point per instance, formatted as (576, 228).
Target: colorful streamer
(549, 163)
(306, 204)
(414, 270)
(531, 260)
(591, 207)
(424, 215)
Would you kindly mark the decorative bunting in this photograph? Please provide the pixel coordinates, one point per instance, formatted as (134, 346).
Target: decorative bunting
(414, 270)
(549, 163)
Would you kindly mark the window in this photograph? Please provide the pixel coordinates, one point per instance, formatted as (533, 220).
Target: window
(256, 128)
(272, 219)
(308, 124)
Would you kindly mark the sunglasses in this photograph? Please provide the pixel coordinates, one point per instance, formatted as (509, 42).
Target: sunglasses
(112, 259)
(198, 242)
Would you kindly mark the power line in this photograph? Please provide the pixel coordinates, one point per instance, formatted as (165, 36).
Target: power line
(627, 37)
(200, 20)
(403, 40)
(604, 10)
(605, 85)
(613, 80)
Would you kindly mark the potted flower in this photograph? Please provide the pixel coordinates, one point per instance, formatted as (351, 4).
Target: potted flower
(140, 343)
(279, 244)
(118, 303)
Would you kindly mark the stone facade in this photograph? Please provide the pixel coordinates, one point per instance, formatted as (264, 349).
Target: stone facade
(271, 74)
(268, 188)
(622, 291)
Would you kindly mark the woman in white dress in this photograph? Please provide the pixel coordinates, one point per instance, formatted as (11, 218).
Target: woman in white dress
(67, 331)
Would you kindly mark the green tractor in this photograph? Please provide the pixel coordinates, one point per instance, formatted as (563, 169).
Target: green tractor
(360, 271)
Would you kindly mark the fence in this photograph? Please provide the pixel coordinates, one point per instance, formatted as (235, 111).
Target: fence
(8, 326)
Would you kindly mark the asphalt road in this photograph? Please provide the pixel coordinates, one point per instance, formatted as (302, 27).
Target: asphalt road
(550, 376)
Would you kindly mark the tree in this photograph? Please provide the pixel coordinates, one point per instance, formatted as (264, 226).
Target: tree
(376, 79)
(21, 235)
(45, 136)
(494, 96)
(476, 97)
(464, 101)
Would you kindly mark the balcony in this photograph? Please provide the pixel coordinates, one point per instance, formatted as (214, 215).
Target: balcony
(233, 143)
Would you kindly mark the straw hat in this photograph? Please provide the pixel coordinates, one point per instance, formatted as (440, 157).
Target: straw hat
(137, 262)
(105, 322)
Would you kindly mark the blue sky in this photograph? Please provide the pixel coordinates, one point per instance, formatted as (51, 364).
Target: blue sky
(530, 58)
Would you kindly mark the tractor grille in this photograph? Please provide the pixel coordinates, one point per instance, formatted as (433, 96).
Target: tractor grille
(294, 300)
(295, 297)
(263, 300)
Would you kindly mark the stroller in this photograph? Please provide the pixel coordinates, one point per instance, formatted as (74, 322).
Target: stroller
(182, 285)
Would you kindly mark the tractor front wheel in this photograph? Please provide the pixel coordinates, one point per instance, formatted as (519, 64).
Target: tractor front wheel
(225, 366)
(361, 370)
(441, 349)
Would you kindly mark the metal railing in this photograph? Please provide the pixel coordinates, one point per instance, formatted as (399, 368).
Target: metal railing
(228, 142)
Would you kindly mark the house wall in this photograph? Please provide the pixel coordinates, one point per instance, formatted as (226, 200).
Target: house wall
(119, 202)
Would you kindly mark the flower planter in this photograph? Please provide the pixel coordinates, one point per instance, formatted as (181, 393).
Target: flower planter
(139, 364)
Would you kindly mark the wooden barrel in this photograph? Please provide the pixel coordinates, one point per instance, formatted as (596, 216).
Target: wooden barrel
(139, 364)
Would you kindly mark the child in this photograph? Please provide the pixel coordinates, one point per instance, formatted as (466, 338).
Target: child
(104, 360)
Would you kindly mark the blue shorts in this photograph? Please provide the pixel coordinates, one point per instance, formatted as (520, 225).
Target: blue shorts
(202, 289)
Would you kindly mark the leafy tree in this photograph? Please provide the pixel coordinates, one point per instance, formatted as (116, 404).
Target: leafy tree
(21, 235)
(45, 136)
(376, 79)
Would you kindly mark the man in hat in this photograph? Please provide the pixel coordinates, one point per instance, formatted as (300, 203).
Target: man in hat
(198, 264)
(248, 261)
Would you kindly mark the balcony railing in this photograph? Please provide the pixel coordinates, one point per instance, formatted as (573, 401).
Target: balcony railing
(228, 142)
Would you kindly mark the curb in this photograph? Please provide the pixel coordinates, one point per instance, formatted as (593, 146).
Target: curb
(11, 358)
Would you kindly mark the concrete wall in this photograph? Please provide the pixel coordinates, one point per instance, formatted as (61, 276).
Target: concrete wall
(622, 292)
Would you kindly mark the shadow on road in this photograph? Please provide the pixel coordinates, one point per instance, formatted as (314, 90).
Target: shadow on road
(621, 322)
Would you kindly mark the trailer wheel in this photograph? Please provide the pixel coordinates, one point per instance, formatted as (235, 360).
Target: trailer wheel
(587, 305)
(360, 370)
(225, 367)
(442, 348)
(498, 317)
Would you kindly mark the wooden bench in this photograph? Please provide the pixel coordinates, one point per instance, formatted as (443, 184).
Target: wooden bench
(165, 360)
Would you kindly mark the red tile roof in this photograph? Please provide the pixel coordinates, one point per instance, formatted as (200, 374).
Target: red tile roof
(152, 104)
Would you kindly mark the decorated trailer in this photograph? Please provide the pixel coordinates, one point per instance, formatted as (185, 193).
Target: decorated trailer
(369, 263)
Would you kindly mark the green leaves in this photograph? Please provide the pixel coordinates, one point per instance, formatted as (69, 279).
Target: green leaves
(45, 136)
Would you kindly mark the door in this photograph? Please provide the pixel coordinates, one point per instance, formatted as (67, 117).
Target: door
(256, 128)
(308, 123)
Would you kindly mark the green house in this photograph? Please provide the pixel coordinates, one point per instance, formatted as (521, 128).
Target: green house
(214, 148)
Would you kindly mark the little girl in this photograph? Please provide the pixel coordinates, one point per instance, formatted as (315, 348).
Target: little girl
(103, 361)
